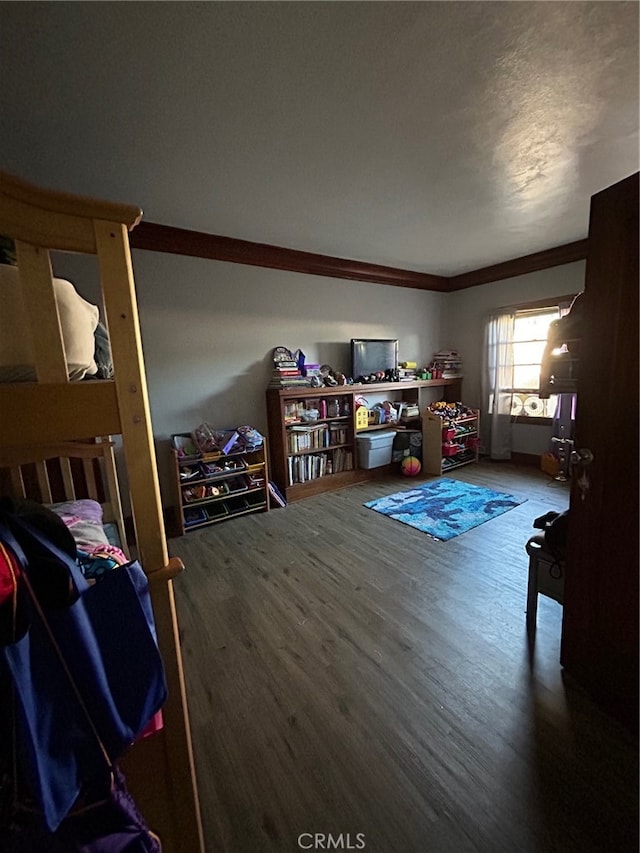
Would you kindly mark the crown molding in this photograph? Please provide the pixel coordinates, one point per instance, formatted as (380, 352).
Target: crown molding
(555, 257)
(180, 241)
(154, 237)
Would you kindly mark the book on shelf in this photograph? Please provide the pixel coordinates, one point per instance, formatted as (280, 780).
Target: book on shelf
(338, 434)
(306, 437)
(302, 469)
(302, 437)
(342, 460)
(308, 427)
(289, 382)
(286, 374)
(448, 363)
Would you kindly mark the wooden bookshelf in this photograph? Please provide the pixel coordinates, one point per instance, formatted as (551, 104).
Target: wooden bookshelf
(337, 463)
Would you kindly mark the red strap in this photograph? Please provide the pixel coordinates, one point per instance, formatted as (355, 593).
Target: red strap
(9, 573)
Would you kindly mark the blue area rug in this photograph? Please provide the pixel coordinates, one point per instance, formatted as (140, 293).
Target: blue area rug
(444, 508)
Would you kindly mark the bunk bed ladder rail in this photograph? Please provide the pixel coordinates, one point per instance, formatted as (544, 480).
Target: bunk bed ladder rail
(39, 221)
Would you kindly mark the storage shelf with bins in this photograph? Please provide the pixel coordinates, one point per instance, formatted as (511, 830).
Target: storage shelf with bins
(214, 487)
(449, 443)
(331, 461)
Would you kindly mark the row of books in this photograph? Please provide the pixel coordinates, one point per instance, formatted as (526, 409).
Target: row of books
(299, 381)
(286, 374)
(315, 437)
(310, 467)
(448, 363)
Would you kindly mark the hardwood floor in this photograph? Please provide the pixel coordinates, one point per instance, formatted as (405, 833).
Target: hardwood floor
(347, 674)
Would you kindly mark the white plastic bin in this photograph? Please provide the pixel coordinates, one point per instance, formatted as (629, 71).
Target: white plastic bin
(375, 448)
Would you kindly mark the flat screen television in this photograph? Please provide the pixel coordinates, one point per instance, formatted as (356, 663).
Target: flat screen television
(372, 355)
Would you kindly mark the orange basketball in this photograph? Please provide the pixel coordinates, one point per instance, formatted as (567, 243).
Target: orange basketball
(410, 466)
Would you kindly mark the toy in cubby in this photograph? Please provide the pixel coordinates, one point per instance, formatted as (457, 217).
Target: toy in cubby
(449, 412)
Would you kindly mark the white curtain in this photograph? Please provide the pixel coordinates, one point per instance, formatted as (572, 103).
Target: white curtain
(497, 383)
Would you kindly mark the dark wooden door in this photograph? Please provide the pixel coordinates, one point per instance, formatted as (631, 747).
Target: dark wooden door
(600, 621)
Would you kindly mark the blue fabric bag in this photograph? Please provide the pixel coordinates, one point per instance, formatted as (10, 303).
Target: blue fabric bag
(111, 823)
(86, 678)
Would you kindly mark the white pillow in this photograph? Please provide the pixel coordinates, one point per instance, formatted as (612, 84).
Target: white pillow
(78, 320)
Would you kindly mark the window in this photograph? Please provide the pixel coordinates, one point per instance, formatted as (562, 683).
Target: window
(515, 340)
(530, 328)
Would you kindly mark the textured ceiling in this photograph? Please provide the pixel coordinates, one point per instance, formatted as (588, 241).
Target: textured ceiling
(439, 137)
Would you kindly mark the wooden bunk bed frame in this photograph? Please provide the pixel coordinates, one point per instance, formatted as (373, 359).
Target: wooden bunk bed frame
(56, 418)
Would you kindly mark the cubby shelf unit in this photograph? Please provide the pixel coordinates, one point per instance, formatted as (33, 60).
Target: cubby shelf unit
(240, 489)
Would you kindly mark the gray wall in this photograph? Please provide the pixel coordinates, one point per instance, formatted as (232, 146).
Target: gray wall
(209, 328)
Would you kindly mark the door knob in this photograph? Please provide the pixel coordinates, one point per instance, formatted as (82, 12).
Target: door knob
(584, 456)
